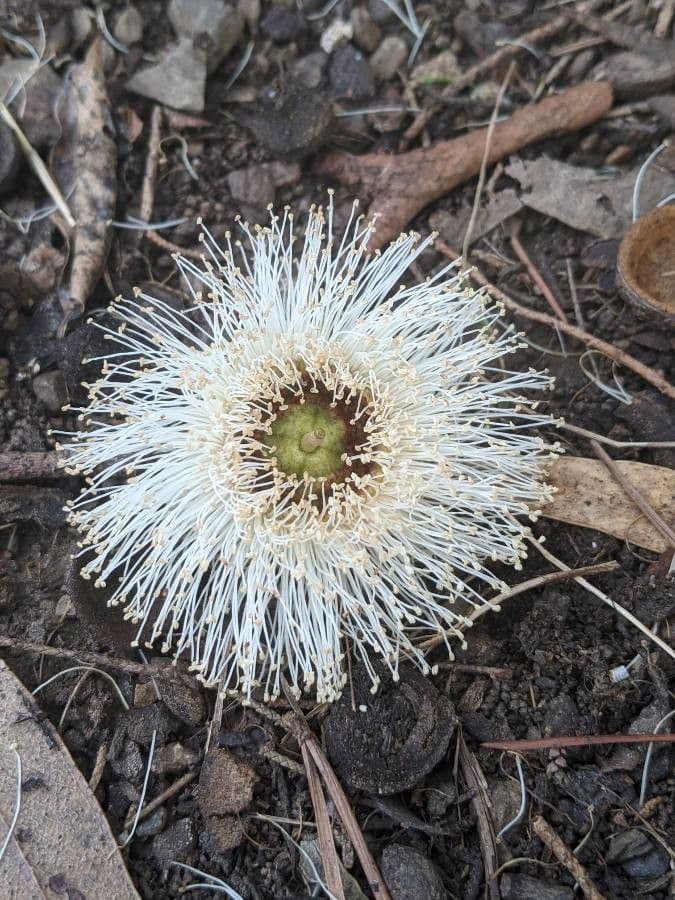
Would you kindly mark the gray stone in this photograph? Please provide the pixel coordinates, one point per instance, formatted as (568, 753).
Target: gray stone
(522, 887)
(282, 25)
(410, 875)
(10, 159)
(388, 58)
(310, 70)
(634, 76)
(214, 25)
(380, 12)
(176, 843)
(366, 32)
(128, 28)
(81, 26)
(178, 80)
(50, 389)
(252, 188)
(505, 799)
(651, 865)
(350, 74)
(154, 823)
(627, 845)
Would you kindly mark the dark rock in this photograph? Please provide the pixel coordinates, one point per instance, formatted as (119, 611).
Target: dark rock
(627, 845)
(282, 25)
(154, 823)
(141, 723)
(131, 765)
(350, 75)
(651, 865)
(176, 843)
(522, 887)
(10, 159)
(561, 716)
(394, 737)
(51, 390)
(310, 70)
(410, 875)
(380, 12)
(34, 504)
(183, 699)
(292, 126)
(484, 728)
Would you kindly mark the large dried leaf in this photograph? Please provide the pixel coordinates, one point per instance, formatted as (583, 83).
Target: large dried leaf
(62, 843)
(588, 495)
(84, 163)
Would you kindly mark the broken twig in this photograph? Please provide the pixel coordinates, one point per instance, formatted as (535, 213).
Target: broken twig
(565, 856)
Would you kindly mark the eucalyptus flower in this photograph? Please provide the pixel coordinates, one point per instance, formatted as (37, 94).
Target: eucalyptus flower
(310, 457)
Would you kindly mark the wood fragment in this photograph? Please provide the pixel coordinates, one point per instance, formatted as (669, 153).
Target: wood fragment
(150, 173)
(609, 350)
(402, 185)
(480, 802)
(160, 799)
(99, 766)
(331, 864)
(565, 856)
(297, 725)
(590, 740)
(536, 277)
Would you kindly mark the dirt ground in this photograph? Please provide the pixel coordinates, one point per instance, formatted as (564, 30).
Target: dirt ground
(540, 668)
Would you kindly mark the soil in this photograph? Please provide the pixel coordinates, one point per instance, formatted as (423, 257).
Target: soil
(547, 658)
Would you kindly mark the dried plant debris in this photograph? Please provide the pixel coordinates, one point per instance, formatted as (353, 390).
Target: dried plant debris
(584, 199)
(85, 164)
(587, 495)
(390, 740)
(402, 185)
(61, 843)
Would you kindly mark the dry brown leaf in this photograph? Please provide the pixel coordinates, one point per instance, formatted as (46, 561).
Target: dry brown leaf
(587, 495)
(84, 163)
(62, 843)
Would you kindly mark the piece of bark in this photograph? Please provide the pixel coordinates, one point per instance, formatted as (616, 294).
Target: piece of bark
(85, 164)
(400, 186)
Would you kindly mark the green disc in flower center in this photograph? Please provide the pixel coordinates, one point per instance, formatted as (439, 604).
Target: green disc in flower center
(308, 438)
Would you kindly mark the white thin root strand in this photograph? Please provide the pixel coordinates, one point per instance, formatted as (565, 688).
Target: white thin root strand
(17, 806)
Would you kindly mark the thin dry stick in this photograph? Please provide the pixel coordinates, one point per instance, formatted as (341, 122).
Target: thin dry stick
(635, 495)
(160, 799)
(534, 274)
(493, 604)
(86, 656)
(507, 52)
(584, 432)
(161, 242)
(304, 736)
(565, 856)
(590, 340)
(475, 781)
(484, 161)
(605, 599)
(150, 174)
(38, 166)
(25, 466)
(590, 740)
(331, 865)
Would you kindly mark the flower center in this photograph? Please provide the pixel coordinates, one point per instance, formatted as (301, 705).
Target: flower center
(309, 438)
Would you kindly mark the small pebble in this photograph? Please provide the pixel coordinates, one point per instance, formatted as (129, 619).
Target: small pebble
(282, 25)
(128, 28)
(50, 389)
(350, 74)
(366, 33)
(389, 57)
(338, 33)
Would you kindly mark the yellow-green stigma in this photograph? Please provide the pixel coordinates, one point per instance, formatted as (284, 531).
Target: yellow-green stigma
(308, 438)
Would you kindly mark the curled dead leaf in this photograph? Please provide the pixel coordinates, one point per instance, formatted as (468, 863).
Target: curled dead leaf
(588, 495)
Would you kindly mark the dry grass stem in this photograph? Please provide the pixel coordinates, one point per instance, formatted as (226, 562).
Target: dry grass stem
(331, 865)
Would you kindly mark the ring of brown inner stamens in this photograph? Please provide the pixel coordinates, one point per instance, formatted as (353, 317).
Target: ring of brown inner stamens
(347, 411)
